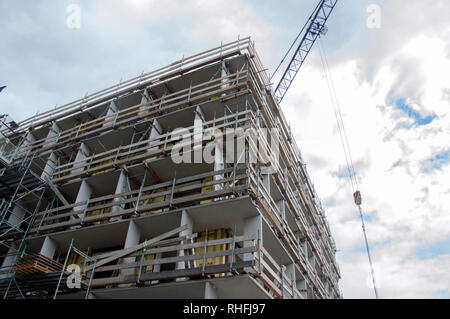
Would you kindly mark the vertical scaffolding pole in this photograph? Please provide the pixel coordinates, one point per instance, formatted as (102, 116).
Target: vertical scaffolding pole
(64, 268)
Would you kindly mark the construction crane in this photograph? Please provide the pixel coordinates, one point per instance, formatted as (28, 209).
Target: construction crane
(316, 27)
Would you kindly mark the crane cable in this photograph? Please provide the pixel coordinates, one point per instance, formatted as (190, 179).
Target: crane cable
(347, 152)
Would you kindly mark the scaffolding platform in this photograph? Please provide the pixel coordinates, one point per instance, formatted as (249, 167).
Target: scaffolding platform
(20, 180)
(41, 285)
(36, 264)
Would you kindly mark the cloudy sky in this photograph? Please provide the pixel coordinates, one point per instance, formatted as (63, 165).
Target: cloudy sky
(392, 84)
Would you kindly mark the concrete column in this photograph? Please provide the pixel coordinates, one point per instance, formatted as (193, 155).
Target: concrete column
(157, 268)
(132, 239)
(48, 248)
(210, 291)
(15, 218)
(9, 259)
(304, 246)
(266, 182)
(28, 140)
(83, 195)
(186, 219)
(49, 167)
(282, 207)
(17, 214)
(252, 226)
(146, 97)
(198, 136)
(311, 258)
(83, 153)
(218, 163)
(290, 273)
(54, 131)
(301, 285)
(123, 186)
(224, 72)
(155, 131)
(327, 287)
(111, 114)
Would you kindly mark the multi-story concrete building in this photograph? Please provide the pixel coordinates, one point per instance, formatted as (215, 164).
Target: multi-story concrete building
(185, 182)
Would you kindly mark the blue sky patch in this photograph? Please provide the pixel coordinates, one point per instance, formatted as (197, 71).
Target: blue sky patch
(419, 119)
(361, 249)
(401, 105)
(397, 164)
(436, 162)
(343, 174)
(445, 293)
(330, 203)
(434, 250)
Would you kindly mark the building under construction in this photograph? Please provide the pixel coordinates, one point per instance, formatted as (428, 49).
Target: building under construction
(93, 204)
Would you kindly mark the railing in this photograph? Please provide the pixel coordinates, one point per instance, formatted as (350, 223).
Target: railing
(146, 268)
(79, 213)
(169, 103)
(290, 151)
(276, 278)
(7, 152)
(139, 82)
(150, 148)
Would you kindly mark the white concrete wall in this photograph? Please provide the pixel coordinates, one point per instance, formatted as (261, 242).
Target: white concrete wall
(84, 194)
(155, 131)
(30, 138)
(54, 131)
(198, 135)
(83, 152)
(132, 239)
(301, 285)
(48, 248)
(111, 114)
(123, 186)
(224, 72)
(252, 226)
(290, 273)
(186, 219)
(8, 261)
(145, 99)
(17, 214)
(50, 166)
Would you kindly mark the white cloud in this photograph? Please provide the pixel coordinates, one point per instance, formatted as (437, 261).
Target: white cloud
(408, 207)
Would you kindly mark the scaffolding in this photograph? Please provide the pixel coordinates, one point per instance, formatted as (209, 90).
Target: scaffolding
(19, 186)
(107, 163)
(79, 280)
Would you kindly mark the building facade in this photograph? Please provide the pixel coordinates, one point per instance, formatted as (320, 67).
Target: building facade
(185, 182)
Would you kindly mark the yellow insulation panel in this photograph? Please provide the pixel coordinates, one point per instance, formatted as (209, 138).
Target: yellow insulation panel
(161, 147)
(97, 211)
(158, 199)
(207, 189)
(212, 235)
(77, 259)
(145, 269)
(104, 171)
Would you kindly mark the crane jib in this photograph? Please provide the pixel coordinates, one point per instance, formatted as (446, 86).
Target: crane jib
(315, 29)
